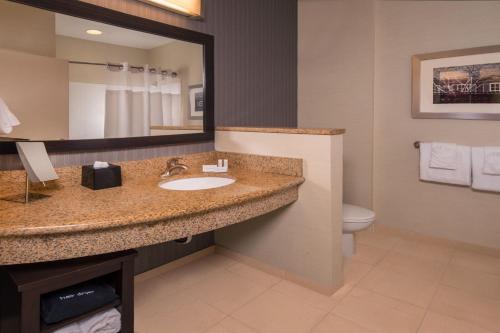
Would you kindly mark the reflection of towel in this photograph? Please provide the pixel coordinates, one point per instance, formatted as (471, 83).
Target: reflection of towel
(103, 322)
(481, 180)
(443, 156)
(7, 119)
(491, 161)
(460, 176)
(73, 328)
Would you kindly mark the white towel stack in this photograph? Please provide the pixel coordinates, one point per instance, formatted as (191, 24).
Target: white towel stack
(486, 168)
(491, 161)
(7, 119)
(103, 322)
(73, 328)
(444, 156)
(445, 163)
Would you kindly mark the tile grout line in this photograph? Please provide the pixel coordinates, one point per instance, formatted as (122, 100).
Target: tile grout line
(474, 270)
(455, 251)
(445, 268)
(331, 312)
(319, 322)
(355, 285)
(328, 313)
(261, 271)
(377, 264)
(218, 322)
(446, 265)
(339, 316)
(226, 317)
(240, 307)
(472, 323)
(245, 303)
(379, 294)
(242, 323)
(187, 287)
(230, 314)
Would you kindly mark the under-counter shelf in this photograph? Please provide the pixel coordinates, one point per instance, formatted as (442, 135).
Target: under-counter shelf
(22, 286)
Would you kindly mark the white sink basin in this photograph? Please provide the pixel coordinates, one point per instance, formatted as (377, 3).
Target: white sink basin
(195, 184)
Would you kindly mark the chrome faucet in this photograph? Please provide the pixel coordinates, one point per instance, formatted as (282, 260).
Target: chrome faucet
(173, 167)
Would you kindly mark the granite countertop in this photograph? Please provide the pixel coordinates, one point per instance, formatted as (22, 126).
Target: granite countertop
(76, 221)
(77, 208)
(72, 207)
(311, 131)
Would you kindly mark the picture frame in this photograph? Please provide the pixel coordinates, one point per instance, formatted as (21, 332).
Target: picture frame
(457, 84)
(196, 102)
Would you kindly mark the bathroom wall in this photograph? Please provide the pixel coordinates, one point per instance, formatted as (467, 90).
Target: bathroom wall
(13, 18)
(335, 68)
(336, 55)
(404, 28)
(303, 239)
(37, 88)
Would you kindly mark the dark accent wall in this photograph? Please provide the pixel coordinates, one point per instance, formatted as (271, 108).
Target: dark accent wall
(160, 254)
(12, 162)
(255, 61)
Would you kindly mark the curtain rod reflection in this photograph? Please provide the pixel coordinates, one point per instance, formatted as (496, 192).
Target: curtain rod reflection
(120, 66)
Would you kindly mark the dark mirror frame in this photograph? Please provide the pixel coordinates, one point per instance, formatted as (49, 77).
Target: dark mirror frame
(100, 14)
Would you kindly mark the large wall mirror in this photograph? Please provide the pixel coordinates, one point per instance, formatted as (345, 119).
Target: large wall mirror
(82, 77)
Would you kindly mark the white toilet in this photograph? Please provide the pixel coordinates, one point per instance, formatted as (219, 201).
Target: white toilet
(355, 219)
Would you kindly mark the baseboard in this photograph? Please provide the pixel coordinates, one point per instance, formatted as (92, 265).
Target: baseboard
(252, 262)
(174, 264)
(280, 273)
(457, 244)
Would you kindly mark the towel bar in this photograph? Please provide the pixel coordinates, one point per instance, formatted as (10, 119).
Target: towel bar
(416, 144)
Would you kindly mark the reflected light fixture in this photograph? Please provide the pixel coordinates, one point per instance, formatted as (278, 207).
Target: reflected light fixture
(190, 8)
(94, 32)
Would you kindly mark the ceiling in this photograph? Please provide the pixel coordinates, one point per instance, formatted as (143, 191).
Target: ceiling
(76, 27)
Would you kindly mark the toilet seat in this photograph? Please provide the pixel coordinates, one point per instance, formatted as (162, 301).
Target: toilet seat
(355, 219)
(356, 214)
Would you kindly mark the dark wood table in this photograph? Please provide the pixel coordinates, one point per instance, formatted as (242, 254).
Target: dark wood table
(21, 287)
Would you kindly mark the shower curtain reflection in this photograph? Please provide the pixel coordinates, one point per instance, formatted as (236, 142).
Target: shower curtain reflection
(136, 100)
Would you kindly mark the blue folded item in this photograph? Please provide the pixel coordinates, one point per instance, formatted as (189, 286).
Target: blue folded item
(74, 301)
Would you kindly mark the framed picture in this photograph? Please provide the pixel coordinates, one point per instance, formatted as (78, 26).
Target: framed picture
(196, 102)
(459, 84)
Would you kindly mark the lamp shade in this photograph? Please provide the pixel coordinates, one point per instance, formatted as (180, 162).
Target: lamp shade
(185, 7)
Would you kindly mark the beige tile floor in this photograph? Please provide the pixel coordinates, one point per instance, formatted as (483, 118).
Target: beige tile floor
(396, 283)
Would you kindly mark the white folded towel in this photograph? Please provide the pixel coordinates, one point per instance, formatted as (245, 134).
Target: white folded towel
(481, 180)
(460, 176)
(73, 328)
(444, 156)
(7, 118)
(491, 161)
(104, 322)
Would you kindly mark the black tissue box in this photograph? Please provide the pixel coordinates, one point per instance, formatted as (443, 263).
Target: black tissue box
(98, 179)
